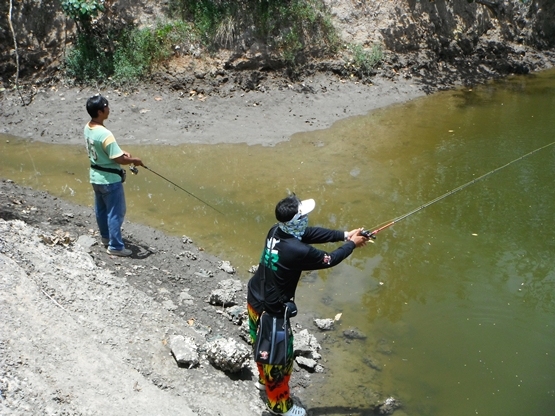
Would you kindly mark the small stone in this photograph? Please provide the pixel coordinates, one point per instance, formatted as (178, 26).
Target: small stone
(227, 354)
(86, 241)
(324, 324)
(354, 333)
(222, 297)
(307, 363)
(184, 350)
(169, 305)
(388, 406)
(227, 267)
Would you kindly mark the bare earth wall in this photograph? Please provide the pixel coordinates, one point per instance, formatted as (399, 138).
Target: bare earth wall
(439, 42)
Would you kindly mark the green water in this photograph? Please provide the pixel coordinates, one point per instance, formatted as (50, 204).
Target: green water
(456, 300)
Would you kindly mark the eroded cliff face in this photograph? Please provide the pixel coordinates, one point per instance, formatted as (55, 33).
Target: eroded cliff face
(448, 41)
(440, 41)
(410, 25)
(41, 32)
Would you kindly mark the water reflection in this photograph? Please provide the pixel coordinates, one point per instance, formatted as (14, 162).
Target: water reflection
(456, 301)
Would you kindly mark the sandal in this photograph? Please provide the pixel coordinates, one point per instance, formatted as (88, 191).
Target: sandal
(294, 411)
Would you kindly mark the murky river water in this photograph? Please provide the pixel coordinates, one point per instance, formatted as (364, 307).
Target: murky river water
(457, 300)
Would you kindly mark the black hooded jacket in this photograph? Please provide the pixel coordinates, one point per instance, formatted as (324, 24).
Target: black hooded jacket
(284, 258)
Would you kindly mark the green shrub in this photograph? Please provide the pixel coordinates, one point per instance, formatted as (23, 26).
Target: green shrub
(207, 15)
(134, 54)
(364, 62)
(124, 57)
(286, 26)
(170, 34)
(87, 61)
(82, 11)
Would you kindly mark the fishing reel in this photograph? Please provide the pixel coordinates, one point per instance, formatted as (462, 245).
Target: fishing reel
(368, 234)
(134, 170)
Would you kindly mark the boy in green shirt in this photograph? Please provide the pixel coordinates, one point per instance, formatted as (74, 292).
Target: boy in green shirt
(107, 176)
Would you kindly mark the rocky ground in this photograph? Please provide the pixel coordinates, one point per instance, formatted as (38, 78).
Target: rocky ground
(85, 333)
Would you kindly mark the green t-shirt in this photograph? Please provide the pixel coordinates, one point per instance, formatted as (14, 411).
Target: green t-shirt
(102, 148)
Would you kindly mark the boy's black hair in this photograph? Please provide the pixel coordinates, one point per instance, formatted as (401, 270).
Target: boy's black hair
(95, 103)
(287, 208)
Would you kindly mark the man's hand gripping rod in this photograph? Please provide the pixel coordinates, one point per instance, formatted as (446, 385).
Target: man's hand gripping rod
(372, 234)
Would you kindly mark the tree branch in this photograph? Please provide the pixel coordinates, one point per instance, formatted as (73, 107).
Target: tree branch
(16, 54)
(492, 5)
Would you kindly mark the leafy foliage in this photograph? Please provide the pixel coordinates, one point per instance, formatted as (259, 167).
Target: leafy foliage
(87, 61)
(133, 55)
(82, 11)
(288, 27)
(122, 57)
(291, 30)
(364, 62)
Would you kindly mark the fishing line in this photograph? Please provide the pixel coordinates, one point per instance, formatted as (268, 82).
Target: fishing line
(372, 234)
(135, 171)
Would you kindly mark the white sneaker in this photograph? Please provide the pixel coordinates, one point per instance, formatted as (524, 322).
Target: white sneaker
(294, 411)
(105, 241)
(121, 253)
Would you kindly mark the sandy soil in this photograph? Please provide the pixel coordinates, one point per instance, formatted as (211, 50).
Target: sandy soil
(84, 333)
(161, 116)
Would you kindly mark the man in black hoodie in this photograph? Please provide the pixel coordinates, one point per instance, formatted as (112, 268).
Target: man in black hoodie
(286, 255)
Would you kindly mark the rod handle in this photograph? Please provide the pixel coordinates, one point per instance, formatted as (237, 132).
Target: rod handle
(368, 234)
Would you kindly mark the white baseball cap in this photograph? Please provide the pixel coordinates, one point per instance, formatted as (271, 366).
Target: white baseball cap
(305, 207)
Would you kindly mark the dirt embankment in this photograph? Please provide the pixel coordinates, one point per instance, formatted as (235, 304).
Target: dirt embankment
(84, 333)
(438, 44)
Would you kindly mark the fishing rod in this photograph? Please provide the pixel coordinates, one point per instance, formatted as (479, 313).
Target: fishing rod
(372, 234)
(135, 171)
